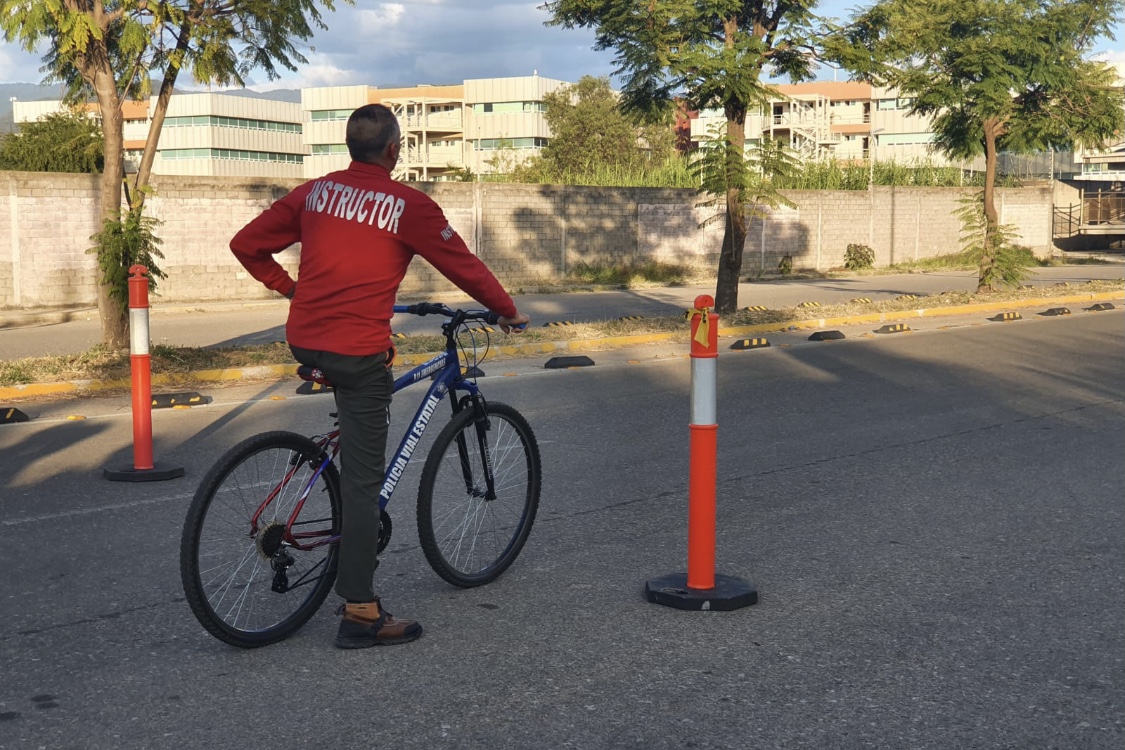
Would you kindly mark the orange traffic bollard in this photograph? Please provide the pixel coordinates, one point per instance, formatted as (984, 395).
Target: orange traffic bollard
(701, 588)
(144, 469)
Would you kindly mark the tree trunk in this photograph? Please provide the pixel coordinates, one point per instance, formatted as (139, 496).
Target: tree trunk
(114, 317)
(992, 129)
(168, 83)
(734, 162)
(734, 236)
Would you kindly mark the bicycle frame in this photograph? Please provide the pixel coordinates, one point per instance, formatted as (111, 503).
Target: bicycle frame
(445, 371)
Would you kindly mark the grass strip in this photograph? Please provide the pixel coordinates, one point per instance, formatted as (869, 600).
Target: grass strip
(100, 364)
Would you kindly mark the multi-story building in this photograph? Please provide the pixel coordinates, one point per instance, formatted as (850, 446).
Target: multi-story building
(481, 125)
(505, 122)
(849, 121)
(431, 117)
(208, 134)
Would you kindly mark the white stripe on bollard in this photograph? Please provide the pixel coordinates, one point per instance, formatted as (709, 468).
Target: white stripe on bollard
(703, 391)
(138, 331)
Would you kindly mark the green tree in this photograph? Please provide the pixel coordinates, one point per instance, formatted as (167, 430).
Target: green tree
(589, 130)
(993, 74)
(60, 142)
(112, 50)
(711, 53)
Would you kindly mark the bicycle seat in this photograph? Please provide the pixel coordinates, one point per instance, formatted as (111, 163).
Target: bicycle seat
(313, 375)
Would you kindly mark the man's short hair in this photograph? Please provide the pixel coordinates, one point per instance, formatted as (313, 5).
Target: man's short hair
(370, 129)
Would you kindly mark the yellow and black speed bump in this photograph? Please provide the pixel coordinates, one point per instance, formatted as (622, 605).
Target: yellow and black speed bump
(1101, 306)
(1006, 316)
(756, 308)
(472, 372)
(894, 328)
(562, 363)
(906, 296)
(1056, 311)
(169, 400)
(827, 336)
(398, 335)
(750, 344)
(11, 415)
(862, 299)
(309, 387)
(808, 304)
(631, 317)
(557, 323)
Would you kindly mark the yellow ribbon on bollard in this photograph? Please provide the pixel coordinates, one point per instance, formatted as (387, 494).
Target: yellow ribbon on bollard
(702, 331)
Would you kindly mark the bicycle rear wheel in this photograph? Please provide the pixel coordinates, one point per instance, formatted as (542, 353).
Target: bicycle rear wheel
(468, 538)
(254, 572)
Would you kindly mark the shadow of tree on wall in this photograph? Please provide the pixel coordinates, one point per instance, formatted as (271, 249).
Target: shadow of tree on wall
(771, 236)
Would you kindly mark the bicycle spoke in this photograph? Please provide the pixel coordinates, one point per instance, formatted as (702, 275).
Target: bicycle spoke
(235, 564)
(467, 538)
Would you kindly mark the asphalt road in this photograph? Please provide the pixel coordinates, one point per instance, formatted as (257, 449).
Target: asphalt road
(228, 324)
(933, 521)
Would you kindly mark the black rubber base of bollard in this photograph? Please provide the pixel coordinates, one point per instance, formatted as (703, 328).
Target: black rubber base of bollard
(729, 593)
(158, 473)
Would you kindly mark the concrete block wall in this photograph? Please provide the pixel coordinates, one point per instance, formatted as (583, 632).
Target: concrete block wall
(528, 234)
(1023, 209)
(44, 235)
(198, 216)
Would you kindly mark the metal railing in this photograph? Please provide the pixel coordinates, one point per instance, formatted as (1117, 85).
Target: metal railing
(1103, 207)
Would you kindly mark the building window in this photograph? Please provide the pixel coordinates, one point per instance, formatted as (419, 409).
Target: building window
(242, 123)
(231, 154)
(492, 144)
(903, 103)
(904, 139)
(320, 149)
(325, 115)
(502, 107)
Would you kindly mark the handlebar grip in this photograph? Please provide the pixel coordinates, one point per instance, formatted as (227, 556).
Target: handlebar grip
(491, 318)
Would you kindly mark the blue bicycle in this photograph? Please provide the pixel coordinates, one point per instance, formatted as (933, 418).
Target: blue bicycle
(258, 553)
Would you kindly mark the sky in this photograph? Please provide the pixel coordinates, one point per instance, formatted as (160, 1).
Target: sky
(410, 42)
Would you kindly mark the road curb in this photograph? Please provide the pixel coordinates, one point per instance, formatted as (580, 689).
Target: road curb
(13, 319)
(234, 374)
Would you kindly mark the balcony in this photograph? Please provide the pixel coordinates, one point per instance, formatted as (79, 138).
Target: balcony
(444, 122)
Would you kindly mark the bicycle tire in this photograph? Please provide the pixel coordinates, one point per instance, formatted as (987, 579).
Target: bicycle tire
(227, 573)
(450, 511)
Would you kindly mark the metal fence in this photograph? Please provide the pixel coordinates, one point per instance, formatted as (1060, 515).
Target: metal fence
(1037, 166)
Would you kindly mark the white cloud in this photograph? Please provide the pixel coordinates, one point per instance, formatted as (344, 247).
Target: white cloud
(382, 19)
(319, 72)
(416, 41)
(17, 66)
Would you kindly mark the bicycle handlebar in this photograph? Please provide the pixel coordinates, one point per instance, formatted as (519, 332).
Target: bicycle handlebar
(436, 308)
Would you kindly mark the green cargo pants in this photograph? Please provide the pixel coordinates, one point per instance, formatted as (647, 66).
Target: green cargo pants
(363, 386)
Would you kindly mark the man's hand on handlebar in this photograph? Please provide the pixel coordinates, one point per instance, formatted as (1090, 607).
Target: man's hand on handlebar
(516, 324)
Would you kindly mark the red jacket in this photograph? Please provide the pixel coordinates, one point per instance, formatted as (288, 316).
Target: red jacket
(358, 230)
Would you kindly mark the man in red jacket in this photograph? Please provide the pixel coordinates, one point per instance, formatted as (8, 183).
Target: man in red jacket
(358, 231)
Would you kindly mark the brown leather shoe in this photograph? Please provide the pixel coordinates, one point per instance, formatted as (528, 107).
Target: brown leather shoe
(368, 624)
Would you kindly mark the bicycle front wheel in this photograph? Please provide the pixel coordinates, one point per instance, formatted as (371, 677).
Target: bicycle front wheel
(469, 535)
(258, 553)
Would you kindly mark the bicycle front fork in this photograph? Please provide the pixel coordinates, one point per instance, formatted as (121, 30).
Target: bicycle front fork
(481, 427)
